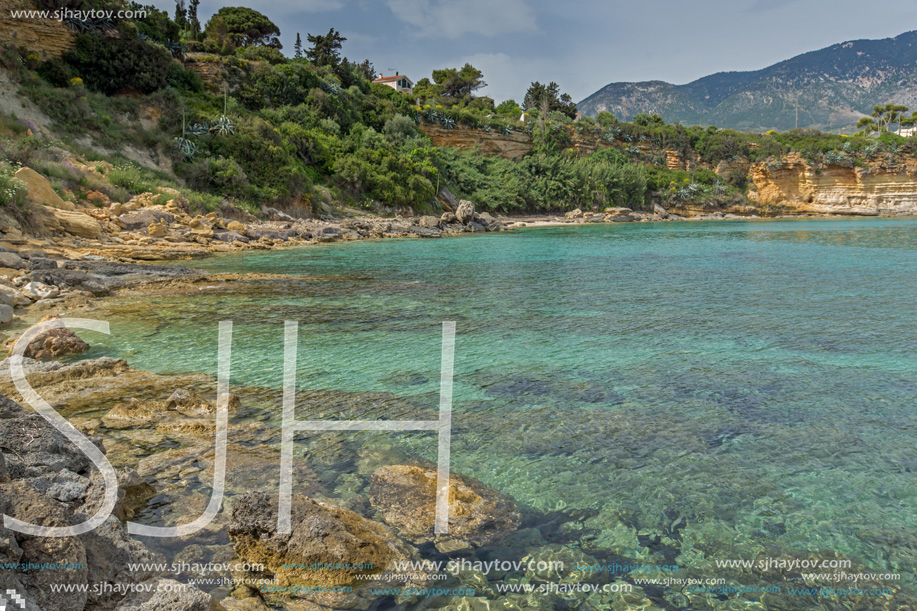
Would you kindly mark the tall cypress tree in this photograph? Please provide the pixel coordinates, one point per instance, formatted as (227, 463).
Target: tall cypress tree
(193, 22)
(181, 14)
(297, 48)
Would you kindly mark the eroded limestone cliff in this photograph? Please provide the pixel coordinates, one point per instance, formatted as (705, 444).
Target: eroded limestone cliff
(885, 187)
(44, 37)
(509, 146)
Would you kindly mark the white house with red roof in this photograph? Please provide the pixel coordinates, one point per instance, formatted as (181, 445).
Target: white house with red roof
(399, 82)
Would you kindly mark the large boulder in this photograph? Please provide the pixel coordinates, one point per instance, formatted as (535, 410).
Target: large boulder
(47, 220)
(11, 260)
(54, 344)
(39, 290)
(464, 213)
(406, 497)
(574, 214)
(142, 219)
(486, 219)
(230, 236)
(39, 190)
(351, 547)
(12, 297)
(52, 214)
(660, 211)
(447, 199)
(430, 222)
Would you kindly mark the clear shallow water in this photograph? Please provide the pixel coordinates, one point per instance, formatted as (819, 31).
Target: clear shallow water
(690, 391)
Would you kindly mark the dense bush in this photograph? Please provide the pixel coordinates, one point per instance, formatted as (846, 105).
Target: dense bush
(220, 176)
(111, 65)
(546, 182)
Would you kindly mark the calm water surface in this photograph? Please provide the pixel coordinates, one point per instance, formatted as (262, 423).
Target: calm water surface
(678, 392)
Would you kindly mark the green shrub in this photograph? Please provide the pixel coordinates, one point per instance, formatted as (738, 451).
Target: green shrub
(12, 190)
(56, 72)
(136, 179)
(219, 176)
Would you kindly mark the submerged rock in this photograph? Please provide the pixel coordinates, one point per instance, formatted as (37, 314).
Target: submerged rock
(133, 414)
(193, 405)
(406, 497)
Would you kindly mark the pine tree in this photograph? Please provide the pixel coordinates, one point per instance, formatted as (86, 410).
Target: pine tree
(297, 48)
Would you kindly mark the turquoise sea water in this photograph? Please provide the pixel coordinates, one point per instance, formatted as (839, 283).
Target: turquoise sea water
(677, 392)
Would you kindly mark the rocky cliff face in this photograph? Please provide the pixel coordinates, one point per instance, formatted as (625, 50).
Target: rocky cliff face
(509, 146)
(45, 37)
(887, 187)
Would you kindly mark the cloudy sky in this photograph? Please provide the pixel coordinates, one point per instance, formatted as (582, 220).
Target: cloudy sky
(581, 44)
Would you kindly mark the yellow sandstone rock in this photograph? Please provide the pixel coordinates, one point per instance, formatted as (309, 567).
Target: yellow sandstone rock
(157, 230)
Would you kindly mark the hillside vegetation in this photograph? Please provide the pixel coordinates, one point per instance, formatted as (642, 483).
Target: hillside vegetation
(313, 133)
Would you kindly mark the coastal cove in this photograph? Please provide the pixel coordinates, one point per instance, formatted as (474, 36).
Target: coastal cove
(661, 393)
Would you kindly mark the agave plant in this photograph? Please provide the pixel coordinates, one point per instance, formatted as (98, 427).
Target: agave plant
(76, 24)
(198, 129)
(507, 130)
(836, 158)
(186, 147)
(223, 126)
(486, 129)
(448, 122)
(331, 88)
(101, 24)
(176, 49)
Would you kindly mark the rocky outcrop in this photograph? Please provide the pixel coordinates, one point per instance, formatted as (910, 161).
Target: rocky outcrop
(514, 145)
(49, 220)
(46, 480)
(406, 497)
(881, 188)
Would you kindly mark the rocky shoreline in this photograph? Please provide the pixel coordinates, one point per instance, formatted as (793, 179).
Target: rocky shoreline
(158, 432)
(160, 440)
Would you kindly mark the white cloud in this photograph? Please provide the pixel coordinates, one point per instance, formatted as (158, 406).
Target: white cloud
(455, 18)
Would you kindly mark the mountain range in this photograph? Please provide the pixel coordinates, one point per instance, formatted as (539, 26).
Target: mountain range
(829, 89)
